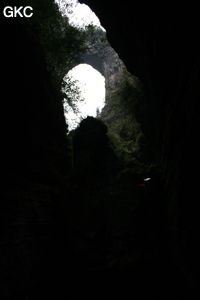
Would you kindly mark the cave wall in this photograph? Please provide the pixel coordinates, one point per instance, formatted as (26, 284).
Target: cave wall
(159, 43)
(34, 159)
(103, 58)
(162, 49)
(106, 61)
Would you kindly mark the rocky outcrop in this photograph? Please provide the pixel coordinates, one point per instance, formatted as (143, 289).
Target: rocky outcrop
(162, 50)
(160, 45)
(33, 161)
(102, 57)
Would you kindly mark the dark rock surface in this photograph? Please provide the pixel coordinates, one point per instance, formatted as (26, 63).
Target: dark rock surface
(33, 160)
(89, 248)
(160, 45)
(102, 57)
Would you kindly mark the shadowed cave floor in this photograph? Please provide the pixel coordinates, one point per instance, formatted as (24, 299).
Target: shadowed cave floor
(110, 240)
(127, 256)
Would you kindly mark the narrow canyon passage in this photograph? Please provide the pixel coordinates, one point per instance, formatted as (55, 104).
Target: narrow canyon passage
(79, 219)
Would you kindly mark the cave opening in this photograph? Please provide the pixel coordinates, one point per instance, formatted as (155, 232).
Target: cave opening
(69, 206)
(86, 92)
(89, 94)
(100, 85)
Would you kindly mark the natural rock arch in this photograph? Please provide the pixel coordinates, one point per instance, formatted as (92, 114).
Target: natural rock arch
(103, 58)
(94, 61)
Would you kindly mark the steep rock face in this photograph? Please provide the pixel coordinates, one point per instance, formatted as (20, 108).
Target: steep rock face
(102, 57)
(33, 133)
(33, 160)
(160, 45)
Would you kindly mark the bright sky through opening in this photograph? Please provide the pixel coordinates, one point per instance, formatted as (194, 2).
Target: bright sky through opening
(92, 86)
(91, 82)
(80, 15)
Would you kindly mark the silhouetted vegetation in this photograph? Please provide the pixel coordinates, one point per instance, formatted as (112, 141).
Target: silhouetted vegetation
(123, 110)
(71, 95)
(78, 219)
(91, 146)
(61, 44)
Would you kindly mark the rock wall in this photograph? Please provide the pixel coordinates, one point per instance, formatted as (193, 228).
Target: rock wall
(160, 45)
(162, 49)
(33, 161)
(102, 57)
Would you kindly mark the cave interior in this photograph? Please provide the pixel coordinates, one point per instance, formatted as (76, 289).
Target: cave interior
(158, 43)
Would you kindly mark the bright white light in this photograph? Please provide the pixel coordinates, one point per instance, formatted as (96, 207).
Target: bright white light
(80, 15)
(92, 85)
(147, 179)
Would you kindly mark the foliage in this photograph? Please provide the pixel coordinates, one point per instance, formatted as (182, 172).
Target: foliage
(91, 132)
(122, 133)
(91, 145)
(130, 98)
(130, 93)
(125, 106)
(123, 127)
(71, 93)
(96, 36)
(61, 42)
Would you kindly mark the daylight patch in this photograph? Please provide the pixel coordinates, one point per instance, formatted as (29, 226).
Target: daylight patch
(92, 87)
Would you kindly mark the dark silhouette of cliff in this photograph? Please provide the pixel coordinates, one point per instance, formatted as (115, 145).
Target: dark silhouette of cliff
(160, 45)
(76, 222)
